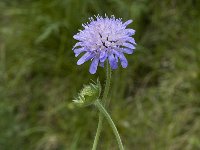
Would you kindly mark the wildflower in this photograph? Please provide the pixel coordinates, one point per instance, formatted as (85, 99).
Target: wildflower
(102, 39)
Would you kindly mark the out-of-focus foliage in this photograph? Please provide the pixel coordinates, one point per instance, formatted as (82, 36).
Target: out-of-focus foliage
(155, 101)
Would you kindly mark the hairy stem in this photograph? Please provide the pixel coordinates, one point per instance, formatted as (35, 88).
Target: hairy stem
(109, 119)
(105, 95)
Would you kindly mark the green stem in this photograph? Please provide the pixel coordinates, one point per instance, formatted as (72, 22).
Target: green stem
(107, 85)
(105, 95)
(109, 119)
(99, 128)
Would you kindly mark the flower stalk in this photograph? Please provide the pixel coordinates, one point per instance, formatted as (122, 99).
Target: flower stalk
(111, 123)
(105, 95)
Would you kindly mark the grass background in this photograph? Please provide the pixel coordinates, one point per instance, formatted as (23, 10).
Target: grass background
(155, 102)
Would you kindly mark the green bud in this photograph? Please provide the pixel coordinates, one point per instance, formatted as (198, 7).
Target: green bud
(89, 94)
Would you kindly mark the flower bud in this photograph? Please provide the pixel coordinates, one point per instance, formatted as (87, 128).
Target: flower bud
(89, 94)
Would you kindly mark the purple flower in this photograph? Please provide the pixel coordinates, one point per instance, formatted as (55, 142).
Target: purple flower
(102, 39)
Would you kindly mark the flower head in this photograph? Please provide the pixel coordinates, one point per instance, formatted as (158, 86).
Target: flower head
(102, 39)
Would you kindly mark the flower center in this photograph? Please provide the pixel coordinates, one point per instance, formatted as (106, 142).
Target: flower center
(106, 43)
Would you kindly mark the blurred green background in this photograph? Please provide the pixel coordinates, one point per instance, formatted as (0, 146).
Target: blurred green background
(155, 102)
